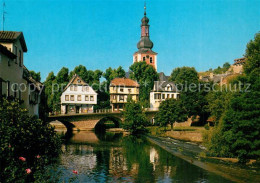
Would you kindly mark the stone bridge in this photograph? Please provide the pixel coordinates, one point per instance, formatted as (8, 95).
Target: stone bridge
(88, 121)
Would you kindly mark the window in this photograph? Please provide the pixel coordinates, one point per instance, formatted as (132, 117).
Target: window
(20, 58)
(129, 90)
(79, 98)
(9, 62)
(8, 89)
(71, 87)
(121, 89)
(87, 88)
(163, 96)
(66, 98)
(75, 88)
(79, 81)
(168, 95)
(136, 58)
(15, 90)
(121, 97)
(155, 96)
(20, 95)
(143, 58)
(15, 52)
(1, 87)
(72, 98)
(178, 96)
(151, 60)
(86, 98)
(91, 98)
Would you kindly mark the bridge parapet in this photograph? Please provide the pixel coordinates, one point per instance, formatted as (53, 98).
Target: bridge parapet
(88, 121)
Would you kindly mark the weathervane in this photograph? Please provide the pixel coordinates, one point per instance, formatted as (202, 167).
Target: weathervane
(4, 12)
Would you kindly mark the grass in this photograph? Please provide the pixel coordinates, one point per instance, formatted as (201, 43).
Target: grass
(160, 131)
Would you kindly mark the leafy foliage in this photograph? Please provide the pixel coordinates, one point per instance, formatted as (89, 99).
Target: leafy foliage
(145, 75)
(36, 76)
(237, 134)
(26, 143)
(135, 119)
(170, 111)
(192, 91)
(252, 55)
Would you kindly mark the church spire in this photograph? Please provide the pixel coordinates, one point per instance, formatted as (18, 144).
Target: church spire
(144, 8)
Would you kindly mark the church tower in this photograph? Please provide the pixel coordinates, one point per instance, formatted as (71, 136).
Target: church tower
(145, 45)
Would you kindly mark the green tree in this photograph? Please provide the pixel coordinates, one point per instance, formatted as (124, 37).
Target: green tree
(81, 71)
(110, 74)
(145, 75)
(36, 76)
(135, 119)
(170, 111)
(187, 82)
(252, 55)
(63, 76)
(226, 65)
(183, 75)
(48, 91)
(237, 134)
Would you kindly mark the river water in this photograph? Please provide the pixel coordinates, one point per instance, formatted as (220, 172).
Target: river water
(115, 157)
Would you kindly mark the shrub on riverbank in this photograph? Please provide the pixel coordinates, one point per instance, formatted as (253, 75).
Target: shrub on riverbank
(27, 144)
(135, 119)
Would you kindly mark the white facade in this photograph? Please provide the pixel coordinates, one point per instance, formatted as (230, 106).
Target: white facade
(162, 91)
(78, 97)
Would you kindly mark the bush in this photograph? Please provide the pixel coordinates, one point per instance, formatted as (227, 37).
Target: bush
(135, 119)
(27, 144)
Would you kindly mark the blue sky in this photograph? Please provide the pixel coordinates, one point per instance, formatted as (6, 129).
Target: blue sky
(103, 33)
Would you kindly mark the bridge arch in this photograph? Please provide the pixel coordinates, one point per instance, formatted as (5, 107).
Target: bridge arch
(108, 122)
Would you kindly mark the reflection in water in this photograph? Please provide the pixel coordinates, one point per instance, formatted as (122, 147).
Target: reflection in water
(113, 157)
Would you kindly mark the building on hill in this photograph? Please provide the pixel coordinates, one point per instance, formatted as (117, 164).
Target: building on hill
(145, 45)
(78, 97)
(237, 67)
(120, 90)
(15, 79)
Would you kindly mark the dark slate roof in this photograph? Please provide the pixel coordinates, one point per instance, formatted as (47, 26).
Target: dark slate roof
(6, 52)
(145, 20)
(148, 51)
(12, 36)
(159, 86)
(145, 42)
(163, 77)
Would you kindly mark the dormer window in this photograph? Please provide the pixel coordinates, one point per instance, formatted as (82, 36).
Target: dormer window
(79, 81)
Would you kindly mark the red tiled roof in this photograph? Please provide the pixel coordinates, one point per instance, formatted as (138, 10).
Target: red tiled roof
(124, 82)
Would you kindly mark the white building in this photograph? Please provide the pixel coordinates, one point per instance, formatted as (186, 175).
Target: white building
(78, 97)
(162, 90)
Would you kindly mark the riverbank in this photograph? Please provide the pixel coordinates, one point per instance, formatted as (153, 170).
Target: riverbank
(184, 133)
(196, 155)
